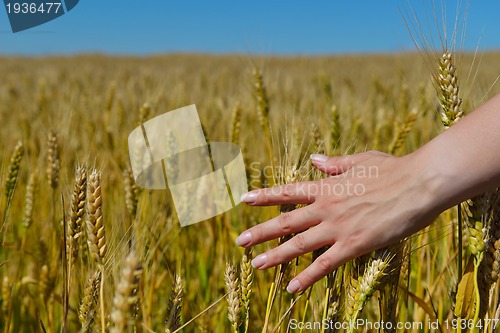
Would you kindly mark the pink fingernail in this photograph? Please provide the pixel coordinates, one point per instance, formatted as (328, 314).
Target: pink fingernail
(259, 261)
(293, 286)
(319, 158)
(249, 197)
(244, 239)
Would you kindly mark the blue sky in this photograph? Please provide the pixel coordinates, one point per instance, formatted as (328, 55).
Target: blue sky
(231, 26)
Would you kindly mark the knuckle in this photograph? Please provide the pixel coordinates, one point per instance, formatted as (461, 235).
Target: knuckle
(305, 278)
(285, 222)
(324, 265)
(273, 257)
(299, 242)
(287, 191)
(356, 244)
(257, 232)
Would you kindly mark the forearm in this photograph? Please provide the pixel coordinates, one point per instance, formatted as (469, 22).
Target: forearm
(464, 161)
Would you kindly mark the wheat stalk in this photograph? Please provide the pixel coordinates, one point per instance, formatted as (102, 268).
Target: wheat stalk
(448, 90)
(131, 192)
(29, 199)
(364, 287)
(126, 295)
(233, 297)
(236, 125)
(53, 162)
(77, 211)
(173, 318)
(334, 130)
(402, 133)
(96, 237)
(88, 304)
(318, 146)
(13, 171)
(6, 291)
(246, 276)
(144, 113)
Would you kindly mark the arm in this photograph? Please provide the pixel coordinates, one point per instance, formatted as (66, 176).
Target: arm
(373, 199)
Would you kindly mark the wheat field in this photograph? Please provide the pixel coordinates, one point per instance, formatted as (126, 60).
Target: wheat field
(84, 249)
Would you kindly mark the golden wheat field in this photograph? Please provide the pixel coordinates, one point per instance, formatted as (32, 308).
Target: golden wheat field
(84, 249)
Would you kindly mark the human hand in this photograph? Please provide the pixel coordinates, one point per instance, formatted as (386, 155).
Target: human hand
(370, 200)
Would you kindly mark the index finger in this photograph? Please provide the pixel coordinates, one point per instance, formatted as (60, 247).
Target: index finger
(294, 193)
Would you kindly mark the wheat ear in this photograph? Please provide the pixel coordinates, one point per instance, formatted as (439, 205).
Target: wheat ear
(233, 297)
(364, 287)
(29, 199)
(53, 162)
(236, 124)
(77, 211)
(246, 276)
(402, 133)
(173, 317)
(13, 171)
(131, 192)
(88, 304)
(126, 295)
(96, 237)
(448, 90)
(263, 108)
(334, 130)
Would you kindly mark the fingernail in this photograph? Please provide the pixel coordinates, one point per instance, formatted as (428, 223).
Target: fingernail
(259, 261)
(293, 286)
(319, 158)
(244, 239)
(249, 197)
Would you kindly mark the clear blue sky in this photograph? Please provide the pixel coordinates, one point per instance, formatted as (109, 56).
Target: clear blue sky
(144, 27)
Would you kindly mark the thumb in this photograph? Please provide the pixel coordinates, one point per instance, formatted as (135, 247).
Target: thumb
(334, 165)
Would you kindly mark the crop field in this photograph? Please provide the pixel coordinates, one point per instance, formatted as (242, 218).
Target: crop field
(85, 249)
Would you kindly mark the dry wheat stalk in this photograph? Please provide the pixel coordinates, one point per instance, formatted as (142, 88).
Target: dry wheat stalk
(96, 238)
(317, 146)
(236, 125)
(448, 90)
(77, 211)
(144, 113)
(47, 281)
(334, 130)
(110, 97)
(131, 192)
(364, 287)
(126, 295)
(246, 276)
(173, 317)
(6, 293)
(88, 304)
(402, 133)
(262, 101)
(233, 297)
(494, 250)
(53, 163)
(13, 171)
(28, 200)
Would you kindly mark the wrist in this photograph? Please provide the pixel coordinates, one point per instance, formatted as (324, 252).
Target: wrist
(438, 178)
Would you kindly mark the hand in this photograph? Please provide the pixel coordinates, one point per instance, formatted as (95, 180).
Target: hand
(370, 200)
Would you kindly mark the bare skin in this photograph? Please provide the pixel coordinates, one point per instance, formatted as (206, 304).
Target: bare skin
(372, 199)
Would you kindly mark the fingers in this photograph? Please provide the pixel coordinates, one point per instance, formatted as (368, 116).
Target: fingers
(295, 193)
(337, 165)
(333, 258)
(285, 224)
(300, 244)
